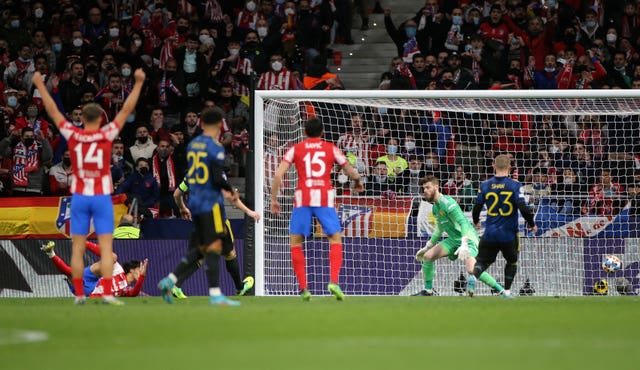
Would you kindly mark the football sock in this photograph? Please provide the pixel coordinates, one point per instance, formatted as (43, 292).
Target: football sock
(428, 271)
(215, 292)
(234, 270)
(297, 259)
(185, 267)
(509, 274)
(212, 260)
(78, 286)
(108, 287)
(490, 281)
(61, 266)
(189, 270)
(335, 261)
(93, 248)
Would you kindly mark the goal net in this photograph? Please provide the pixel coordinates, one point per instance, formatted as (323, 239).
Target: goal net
(575, 152)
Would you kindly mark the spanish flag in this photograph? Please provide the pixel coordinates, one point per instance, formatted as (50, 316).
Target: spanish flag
(44, 217)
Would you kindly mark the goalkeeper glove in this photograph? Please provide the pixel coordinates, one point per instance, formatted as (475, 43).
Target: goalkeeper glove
(421, 252)
(463, 251)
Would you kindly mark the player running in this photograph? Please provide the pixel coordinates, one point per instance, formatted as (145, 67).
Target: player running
(91, 184)
(462, 242)
(503, 197)
(94, 285)
(314, 196)
(230, 257)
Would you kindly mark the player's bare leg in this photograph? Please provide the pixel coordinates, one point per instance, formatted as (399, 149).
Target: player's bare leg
(428, 268)
(78, 245)
(471, 280)
(480, 274)
(335, 264)
(107, 259)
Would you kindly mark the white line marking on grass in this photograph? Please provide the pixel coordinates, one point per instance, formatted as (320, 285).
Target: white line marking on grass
(17, 336)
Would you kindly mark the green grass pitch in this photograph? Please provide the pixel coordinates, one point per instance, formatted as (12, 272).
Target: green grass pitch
(360, 333)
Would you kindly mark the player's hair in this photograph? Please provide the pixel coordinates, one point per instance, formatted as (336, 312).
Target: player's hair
(430, 178)
(26, 129)
(91, 112)
(130, 265)
(502, 162)
(313, 127)
(211, 116)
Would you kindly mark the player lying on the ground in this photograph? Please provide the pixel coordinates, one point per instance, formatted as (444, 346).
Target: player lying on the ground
(230, 259)
(123, 275)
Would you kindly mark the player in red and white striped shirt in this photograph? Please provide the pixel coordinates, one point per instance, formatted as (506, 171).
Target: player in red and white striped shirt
(314, 159)
(91, 185)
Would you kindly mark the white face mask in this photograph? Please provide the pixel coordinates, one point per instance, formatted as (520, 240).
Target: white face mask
(39, 13)
(262, 31)
(410, 145)
(251, 6)
(234, 51)
(289, 11)
(205, 39)
(137, 42)
(77, 42)
(277, 66)
(611, 38)
(114, 32)
(126, 72)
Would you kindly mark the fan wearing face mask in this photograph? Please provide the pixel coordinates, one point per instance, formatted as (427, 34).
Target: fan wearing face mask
(278, 77)
(247, 17)
(28, 152)
(142, 185)
(60, 176)
(33, 119)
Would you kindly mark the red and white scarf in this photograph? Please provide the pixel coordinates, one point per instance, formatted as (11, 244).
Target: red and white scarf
(163, 85)
(25, 160)
(171, 172)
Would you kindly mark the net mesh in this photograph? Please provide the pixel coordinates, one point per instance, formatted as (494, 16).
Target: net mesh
(577, 158)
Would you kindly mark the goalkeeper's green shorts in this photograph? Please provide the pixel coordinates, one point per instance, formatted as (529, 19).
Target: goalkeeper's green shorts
(451, 245)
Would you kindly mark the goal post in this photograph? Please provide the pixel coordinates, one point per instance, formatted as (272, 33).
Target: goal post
(576, 152)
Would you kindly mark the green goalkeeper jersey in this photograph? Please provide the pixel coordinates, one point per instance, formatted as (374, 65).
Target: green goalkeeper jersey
(449, 218)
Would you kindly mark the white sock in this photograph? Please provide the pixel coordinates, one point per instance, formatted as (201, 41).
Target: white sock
(214, 292)
(507, 291)
(51, 254)
(173, 277)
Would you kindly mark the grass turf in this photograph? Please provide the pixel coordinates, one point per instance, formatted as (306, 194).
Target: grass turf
(359, 333)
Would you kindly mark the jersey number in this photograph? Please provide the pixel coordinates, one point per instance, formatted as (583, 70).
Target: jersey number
(316, 160)
(92, 156)
(198, 171)
(496, 199)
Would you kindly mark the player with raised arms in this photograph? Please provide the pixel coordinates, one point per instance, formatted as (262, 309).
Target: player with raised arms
(314, 196)
(503, 197)
(91, 184)
(461, 243)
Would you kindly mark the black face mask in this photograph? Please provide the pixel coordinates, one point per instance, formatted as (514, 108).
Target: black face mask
(143, 139)
(514, 71)
(92, 68)
(66, 161)
(182, 29)
(143, 171)
(170, 74)
(28, 142)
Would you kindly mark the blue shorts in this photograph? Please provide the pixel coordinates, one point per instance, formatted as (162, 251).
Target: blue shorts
(86, 207)
(89, 281)
(301, 219)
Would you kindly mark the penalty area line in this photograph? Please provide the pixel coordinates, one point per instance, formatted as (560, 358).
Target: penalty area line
(17, 336)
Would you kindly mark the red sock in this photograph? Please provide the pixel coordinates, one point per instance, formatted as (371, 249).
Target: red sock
(335, 261)
(108, 286)
(297, 258)
(61, 266)
(78, 286)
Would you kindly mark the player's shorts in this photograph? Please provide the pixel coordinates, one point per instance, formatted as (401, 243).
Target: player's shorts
(86, 207)
(302, 217)
(488, 251)
(208, 227)
(451, 245)
(227, 240)
(89, 281)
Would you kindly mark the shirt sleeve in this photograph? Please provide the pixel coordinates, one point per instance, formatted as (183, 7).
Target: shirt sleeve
(341, 159)
(288, 157)
(455, 213)
(66, 129)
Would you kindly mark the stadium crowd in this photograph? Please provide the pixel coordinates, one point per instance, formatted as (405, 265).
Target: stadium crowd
(200, 53)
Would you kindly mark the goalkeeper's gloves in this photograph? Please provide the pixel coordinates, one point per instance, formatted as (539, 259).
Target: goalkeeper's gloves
(463, 251)
(421, 252)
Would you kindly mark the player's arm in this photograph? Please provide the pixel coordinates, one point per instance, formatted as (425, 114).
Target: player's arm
(137, 288)
(456, 214)
(241, 206)
(277, 179)
(49, 104)
(524, 209)
(477, 206)
(178, 196)
(130, 103)
(219, 180)
(353, 175)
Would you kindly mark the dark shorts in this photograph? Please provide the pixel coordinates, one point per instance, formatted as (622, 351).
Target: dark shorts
(488, 251)
(208, 227)
(227, 240)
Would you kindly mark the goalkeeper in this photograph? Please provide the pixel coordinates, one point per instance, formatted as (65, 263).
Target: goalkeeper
(462, 242)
